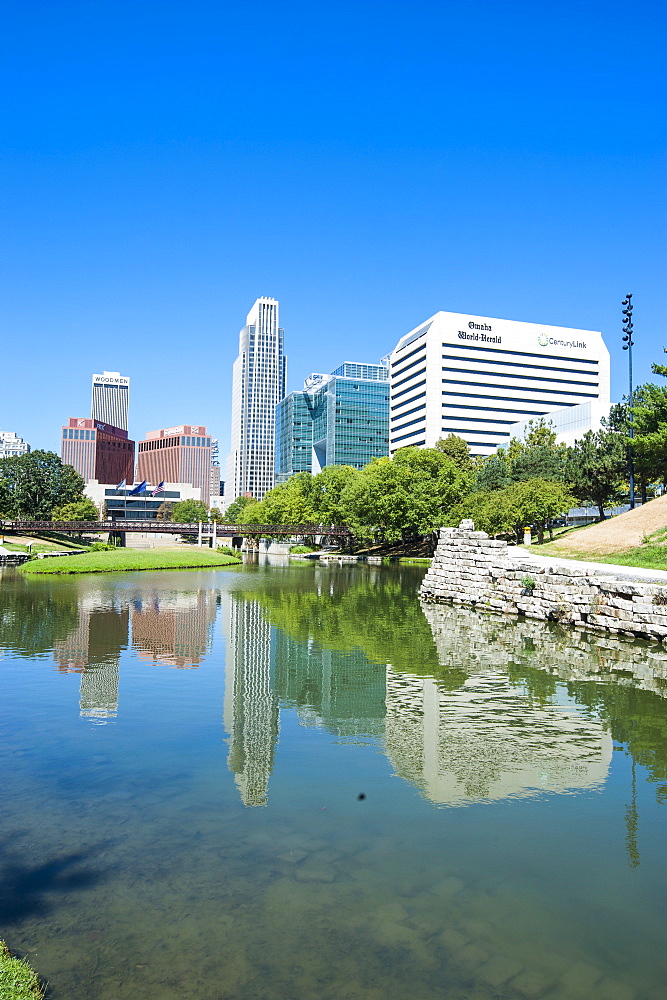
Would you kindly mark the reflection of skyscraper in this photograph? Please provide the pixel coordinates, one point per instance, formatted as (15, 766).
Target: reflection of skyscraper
(174, 628)
(343, 691)
(93, 650)
(487, 737)
(251, 706)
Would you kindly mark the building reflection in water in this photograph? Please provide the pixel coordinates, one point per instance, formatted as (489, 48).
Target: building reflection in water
(497, 722)
(93, 649)
(174, 628)
(250, 709)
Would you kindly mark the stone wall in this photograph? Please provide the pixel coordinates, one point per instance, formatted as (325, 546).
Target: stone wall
(470, 568)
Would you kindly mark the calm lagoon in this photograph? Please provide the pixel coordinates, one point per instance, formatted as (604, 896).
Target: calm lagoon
(294, 782)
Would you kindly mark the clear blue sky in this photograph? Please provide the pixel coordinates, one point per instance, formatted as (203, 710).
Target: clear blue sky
(367, 163)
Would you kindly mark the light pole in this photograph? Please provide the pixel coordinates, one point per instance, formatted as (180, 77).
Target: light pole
(627, 346)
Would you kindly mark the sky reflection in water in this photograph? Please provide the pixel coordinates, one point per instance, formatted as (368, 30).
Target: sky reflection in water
(185, 758)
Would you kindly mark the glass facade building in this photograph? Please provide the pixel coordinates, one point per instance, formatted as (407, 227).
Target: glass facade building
(338, 419)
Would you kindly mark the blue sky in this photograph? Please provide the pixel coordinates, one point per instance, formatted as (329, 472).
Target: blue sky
(367, 163)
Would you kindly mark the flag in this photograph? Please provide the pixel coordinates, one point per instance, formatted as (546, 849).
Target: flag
(158, 489)
(141, 488)
(122, 484)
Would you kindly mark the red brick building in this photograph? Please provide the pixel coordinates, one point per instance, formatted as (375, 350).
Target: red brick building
(177, 455)
(97, 451)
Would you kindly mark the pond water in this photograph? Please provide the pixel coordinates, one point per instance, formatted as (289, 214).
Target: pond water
(294, 782)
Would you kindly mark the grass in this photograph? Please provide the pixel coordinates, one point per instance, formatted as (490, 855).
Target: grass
(651, 554)
(123, 560)
(37, 547)
(414, 561)
(17, 980)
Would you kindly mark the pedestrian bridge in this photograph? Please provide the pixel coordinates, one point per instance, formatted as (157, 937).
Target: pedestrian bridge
(208, 530)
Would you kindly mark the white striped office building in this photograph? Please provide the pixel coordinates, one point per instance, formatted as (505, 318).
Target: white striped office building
(475, 376)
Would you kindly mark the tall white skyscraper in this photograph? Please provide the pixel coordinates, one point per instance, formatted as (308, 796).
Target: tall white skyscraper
(259, 380)
(111, 399)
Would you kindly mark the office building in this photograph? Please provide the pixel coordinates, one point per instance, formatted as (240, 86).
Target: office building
(111, 399)
(11, 445)
(476, 376)
(97, 450)
(118, 505)
(338, 419)
(258, 384)
(570, 422)
(179, 455)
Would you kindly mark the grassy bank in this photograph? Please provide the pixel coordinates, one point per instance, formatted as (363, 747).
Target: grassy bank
(651, 554)
(122, 560)
(17, 980)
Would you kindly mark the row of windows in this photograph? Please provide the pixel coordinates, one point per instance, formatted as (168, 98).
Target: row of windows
(502, 409)
(414, 375)
(516, 364)
(417, 385)
(406, 413)
(521, 354)
(406, 402)
(417, 361)
(477, 420)
(532, 378)
(415, 444)
(77, 434)
(517, 399)
(400, 361)
(471, 430)
(417, 420)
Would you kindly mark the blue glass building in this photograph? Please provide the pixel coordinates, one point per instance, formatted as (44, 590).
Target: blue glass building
(337, 419)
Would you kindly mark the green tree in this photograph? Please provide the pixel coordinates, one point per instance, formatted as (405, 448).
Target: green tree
(649, 422)
(233, 512)
(404, 497)
(79, 510)
(596, 466)
(492, 473)
(539, 501)
(164, 511)
(215, 515)
(189, 512)
(458, 450)
(537, 455)
(35, 483)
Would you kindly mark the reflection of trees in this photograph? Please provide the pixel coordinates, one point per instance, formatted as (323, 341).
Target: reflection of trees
(351, 608)
(35, 615)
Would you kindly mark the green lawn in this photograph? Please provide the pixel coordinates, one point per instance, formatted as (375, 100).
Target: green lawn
(129, 559)
(17, 980)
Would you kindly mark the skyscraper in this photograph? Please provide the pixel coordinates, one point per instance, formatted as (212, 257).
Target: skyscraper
(111, 399)
(97, 451)
(258, 384)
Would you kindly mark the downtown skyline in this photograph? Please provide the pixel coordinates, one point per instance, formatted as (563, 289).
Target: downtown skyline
(154, 191)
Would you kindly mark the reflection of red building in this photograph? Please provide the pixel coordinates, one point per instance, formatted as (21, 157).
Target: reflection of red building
(176, 630)
(99, 638)
(97, 451)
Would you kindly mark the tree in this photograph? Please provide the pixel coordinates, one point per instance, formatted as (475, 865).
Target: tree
(648, 416)
(79, 510)
(35, 483)
(233, 512)
(189, 512)
(215, 515)
(537, 455)
(404, 497)
(458, 450)
(595, 467)
(539, 501)
(164, 511)
(493, 473)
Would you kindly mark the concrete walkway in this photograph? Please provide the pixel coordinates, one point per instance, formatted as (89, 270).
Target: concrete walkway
(528, 554)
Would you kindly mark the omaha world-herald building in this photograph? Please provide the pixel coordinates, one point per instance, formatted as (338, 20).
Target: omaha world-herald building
(476, 376)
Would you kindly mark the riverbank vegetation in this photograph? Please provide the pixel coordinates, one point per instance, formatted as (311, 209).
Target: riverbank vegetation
(17, 979)
(124, 560)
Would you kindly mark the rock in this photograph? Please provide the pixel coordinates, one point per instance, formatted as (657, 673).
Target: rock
(499, 970)
(533, 983)
(580, 979)
(314, 875)
(448, 887)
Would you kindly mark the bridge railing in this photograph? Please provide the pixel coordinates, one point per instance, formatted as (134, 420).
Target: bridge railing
(169, 527)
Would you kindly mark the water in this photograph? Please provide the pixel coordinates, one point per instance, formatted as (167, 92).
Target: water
(294, 783)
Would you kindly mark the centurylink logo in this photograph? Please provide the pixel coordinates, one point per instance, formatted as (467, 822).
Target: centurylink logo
(543, 340)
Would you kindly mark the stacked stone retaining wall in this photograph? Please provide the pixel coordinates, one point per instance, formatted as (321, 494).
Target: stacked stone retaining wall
(472, 569)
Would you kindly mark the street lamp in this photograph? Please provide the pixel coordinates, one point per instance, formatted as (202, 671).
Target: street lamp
(627, 346)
